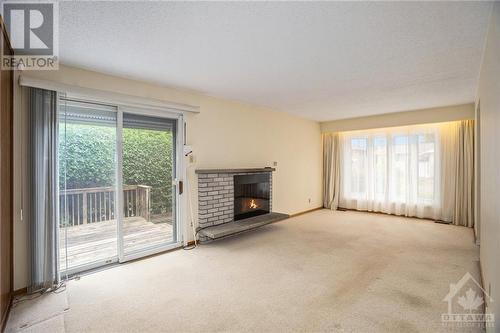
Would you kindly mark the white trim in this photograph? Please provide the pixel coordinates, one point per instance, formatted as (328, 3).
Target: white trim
(153, 112)
(162, 112)
(77, 270)
(150, 251)
(119, 185)
(180, 174)
(477, 172)
(108, 97)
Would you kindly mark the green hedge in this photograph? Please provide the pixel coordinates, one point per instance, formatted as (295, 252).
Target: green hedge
(87, 159)
(147, 160)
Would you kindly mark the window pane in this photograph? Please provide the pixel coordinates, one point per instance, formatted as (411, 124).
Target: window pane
(380, 165)
(400, 166)
(148, 174)
(87, 185)
(426, 150)
(358, 163)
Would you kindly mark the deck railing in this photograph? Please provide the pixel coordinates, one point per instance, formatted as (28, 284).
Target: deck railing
(98, 204)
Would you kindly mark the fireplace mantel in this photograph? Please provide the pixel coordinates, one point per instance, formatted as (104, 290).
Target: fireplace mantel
(247, 170)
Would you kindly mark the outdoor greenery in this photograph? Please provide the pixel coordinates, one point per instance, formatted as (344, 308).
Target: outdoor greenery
(147, 160)
(87, 159)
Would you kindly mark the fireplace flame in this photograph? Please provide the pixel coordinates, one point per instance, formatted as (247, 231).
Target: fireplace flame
(253, 205)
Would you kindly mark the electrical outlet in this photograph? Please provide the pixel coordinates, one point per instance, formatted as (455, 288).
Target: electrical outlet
(275, 163)
(309, 200)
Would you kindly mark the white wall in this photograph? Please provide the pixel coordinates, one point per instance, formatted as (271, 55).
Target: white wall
(489, 189)
(235, 135)
(21, 191)
(224, 134)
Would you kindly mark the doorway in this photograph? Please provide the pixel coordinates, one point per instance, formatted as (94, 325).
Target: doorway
(117, 184)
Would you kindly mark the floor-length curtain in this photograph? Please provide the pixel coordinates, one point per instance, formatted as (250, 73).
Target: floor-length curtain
(458, 169)
(44, 210)
(331, 170)
(394, 171)
(422, 171)
(464, 196)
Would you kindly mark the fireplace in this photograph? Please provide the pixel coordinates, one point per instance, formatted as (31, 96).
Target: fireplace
(251, 195)
(231, 201)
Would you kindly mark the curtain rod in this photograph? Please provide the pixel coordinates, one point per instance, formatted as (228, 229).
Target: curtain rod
(104, 96)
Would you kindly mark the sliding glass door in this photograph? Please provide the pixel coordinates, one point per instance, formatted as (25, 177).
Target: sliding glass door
(87, 185)
(117, 176)
(149, 147)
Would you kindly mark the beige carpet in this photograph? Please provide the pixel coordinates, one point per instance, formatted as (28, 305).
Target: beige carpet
(37, 313)
(323, 271)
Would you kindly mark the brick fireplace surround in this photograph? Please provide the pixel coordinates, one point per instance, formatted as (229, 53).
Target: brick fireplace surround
(216, 196)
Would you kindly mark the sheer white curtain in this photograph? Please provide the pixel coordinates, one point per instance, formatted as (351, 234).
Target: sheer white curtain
(393, 170)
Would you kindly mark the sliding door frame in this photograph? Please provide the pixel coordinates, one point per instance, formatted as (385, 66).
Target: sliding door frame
(119, 184)
(180, 175)
(111, 260)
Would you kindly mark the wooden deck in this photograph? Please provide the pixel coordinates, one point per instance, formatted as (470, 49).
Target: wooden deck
(97, 241)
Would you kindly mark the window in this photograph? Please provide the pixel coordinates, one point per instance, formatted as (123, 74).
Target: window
(400, 167)
(426, 152)
(380, 166)
(389, 170)
(358, 166)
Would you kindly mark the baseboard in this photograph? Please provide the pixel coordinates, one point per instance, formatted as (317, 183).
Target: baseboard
(485, 289)
(306, 211)
(5, 315)
(342, 209)
(481, 276)
(21, 291)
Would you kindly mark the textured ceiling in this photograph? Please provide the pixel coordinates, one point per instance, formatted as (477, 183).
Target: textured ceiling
(319, 60)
